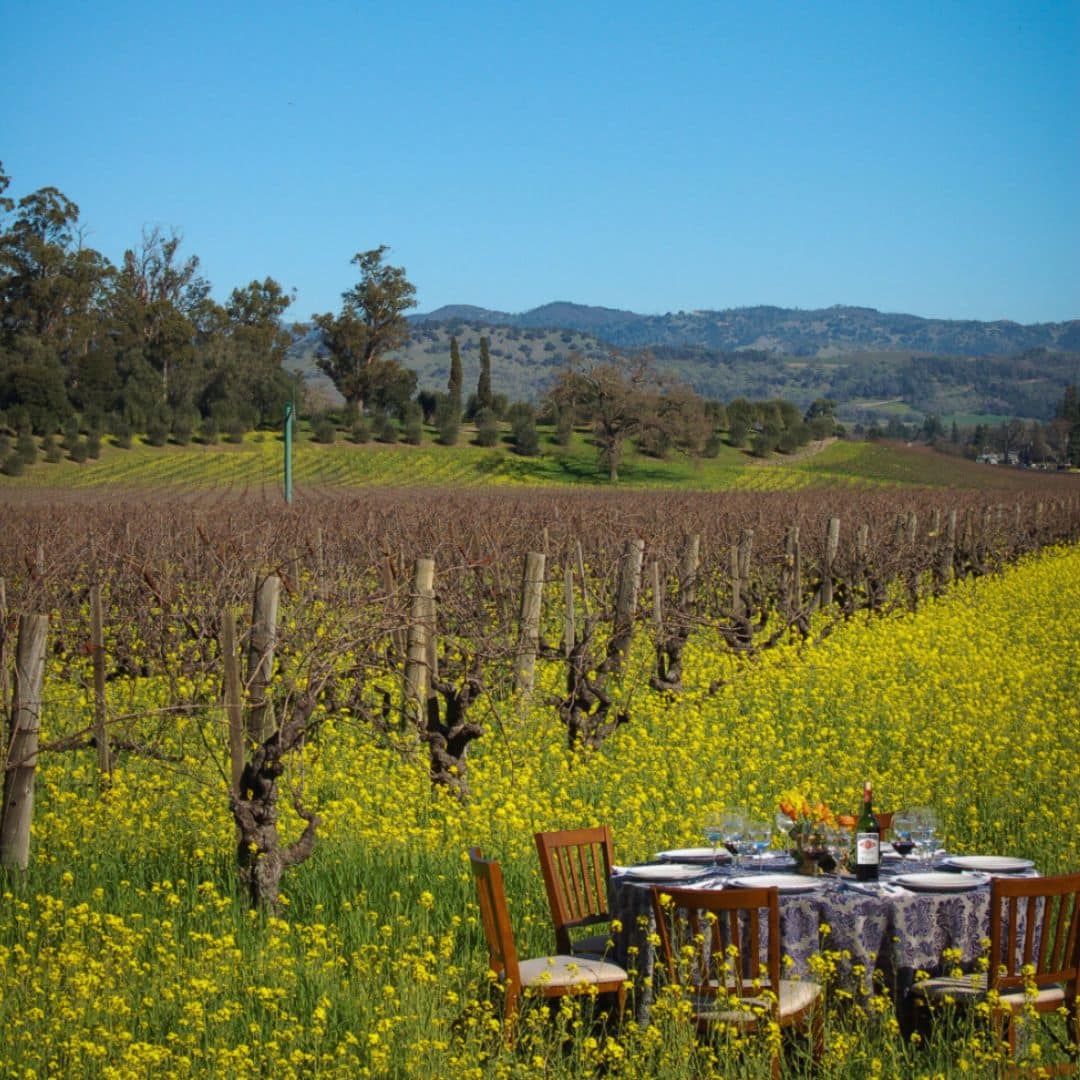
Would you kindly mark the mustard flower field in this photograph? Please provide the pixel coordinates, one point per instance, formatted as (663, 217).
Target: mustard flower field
(129, 950)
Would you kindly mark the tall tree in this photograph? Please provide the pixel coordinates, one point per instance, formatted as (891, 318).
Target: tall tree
(619, 396)
(456, 381)
(484, 396)
(247, 374)
(371, 323)
(161, 306)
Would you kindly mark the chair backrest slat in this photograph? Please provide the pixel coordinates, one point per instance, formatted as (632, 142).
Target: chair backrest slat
(576, 865)
(1035, 922)
(735, 943)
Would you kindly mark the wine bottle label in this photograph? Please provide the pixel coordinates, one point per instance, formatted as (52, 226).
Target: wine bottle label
(867, 848)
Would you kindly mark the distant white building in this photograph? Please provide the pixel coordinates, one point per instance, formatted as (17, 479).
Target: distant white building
(988, 458)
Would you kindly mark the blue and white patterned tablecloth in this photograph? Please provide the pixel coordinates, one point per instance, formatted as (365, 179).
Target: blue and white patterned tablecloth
(891, 929)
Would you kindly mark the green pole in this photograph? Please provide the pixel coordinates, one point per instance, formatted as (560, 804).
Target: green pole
(288, 451)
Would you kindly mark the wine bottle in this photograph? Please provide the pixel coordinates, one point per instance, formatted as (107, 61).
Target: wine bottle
(867, 840)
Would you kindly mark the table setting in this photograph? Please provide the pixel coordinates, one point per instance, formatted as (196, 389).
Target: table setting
(925, 899)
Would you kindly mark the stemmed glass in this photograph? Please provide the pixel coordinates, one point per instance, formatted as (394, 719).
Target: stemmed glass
(924, 835)
(837, 843)
(903, 830)
(784, 824)
(712, 825)
(733, 824)
(759, 836)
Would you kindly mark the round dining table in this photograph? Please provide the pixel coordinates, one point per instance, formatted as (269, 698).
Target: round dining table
(864, 928)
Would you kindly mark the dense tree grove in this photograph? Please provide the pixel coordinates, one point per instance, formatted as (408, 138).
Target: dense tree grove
(137, 346)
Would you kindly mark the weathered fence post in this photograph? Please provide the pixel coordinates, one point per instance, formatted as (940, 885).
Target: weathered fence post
(420, 640)
(21, 762)
(260, 722)
(832, 545)
(97, 656)
(234, 700)
(532, 592)
(626, 597)
(5, 686)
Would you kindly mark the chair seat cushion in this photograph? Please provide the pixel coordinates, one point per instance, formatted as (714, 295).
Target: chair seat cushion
(596, 946)
(569, 971)
(795, 997)
(970, 987)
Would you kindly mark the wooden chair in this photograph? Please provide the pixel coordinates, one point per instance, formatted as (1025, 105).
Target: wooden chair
(1034, 924)
(712, 944)
(547, 976)
(576, 864)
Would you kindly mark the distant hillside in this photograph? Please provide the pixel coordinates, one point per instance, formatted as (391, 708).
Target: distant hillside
(873, 365)
(789, 331)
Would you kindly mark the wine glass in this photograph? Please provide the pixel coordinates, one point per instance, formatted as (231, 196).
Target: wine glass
(924, 835)
(733, 826)
(712, 825)
(837, 843)
(759, 836)
(784, 824)
(903, 829)
(814, 847)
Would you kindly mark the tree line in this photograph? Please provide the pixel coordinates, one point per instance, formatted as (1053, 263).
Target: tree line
(135, 347)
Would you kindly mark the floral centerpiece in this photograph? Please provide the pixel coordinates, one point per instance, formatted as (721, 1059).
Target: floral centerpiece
(809, 820)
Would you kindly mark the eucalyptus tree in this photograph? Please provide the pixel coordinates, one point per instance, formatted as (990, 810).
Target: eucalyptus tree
(371, 324)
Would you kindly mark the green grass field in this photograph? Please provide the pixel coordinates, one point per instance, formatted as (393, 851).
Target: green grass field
(258, 462)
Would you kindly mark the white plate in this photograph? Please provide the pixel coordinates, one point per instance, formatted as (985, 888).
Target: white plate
(667, 872)
(934, 882)
(694, 855)
(991, 864)
(786, 883)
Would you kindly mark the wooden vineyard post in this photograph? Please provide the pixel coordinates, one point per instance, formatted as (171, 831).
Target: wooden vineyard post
(626, 600)
(532, 592)
(389, 585)
(5, 686)
(420, 642)
(947, 549)
(234, 701)
(21, 764)
(261, 658)
(832, 545)
(657, 601)
(97, 648)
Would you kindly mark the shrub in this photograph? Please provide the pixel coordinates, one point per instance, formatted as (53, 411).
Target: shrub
(487, 428)
(157, 432)
(51, 449)
(13, 465)
(448, 420)
(236, 429)
(712, 446)
(93, 445)
(361, 430)
(78, 451)
(209, 431)
(324, 430)
(414, 431)
(183, 428)
(26, 447)
(385, 429)
(523, 425)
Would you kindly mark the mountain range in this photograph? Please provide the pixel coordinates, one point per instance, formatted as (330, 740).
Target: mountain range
(875, 365)
(790, 331)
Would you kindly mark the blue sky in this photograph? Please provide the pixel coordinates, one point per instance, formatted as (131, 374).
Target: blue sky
(916, 157)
